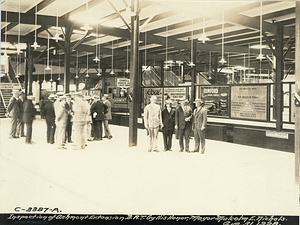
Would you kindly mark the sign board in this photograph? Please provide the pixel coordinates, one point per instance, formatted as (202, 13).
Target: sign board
(175, 94)
(277, 134)
(249, 102)
(148, 92)
(293, 105)
(216, 99)
(123, 82)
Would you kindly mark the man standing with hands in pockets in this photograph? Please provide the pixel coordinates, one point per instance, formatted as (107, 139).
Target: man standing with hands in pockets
(199, 125)
(152, 122)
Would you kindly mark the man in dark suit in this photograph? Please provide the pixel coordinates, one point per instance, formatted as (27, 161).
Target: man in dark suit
(98, 109)
(13, 110)
(28, 117)
(49, 115)
(168, 120)
(199, 125)
(183, 123)
(69, 108)
(20, 128)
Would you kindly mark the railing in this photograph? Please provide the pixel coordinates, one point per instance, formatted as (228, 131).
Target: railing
(3, 100)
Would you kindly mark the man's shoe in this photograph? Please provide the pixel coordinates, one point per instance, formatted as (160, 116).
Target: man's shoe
(105, 136)
(23, 135)
(181, 150)
(155, 150)
(149, 150)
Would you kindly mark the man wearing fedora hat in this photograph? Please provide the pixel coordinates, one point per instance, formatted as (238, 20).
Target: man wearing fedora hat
(49, 115)
(168, 120)
(107, 116)
(183, 124)
(20, 128)
(28, 117)
(61, 117)
(13, 112)
(199, 125)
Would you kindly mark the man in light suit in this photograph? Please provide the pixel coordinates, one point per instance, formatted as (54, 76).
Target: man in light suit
(14, 111)
(152, 122)
(183, 124)
(199, 125)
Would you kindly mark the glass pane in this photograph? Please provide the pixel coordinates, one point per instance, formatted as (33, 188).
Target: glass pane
(286, 115)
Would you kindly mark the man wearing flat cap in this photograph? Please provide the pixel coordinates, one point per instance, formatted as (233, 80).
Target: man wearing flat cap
(183, 124)
(13, 112)
(199, 125)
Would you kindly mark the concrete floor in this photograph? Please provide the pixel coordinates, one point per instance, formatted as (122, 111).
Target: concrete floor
(110, 177)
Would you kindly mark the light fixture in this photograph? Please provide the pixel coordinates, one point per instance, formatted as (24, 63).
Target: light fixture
(76, 77)
(260, 56)
(145, 50)
(5, 36)
(87, 65)
(203, 38)
(19, 27)
(99, 73)
(192, 64)
(86, 26)
(127, 70)
(56, 36)
(44, 81)
(58, 67)
(51, 72)
(166, 66)
(112, 58)
(209, 67)
(48, 68)
(223, 61)
(96, 59)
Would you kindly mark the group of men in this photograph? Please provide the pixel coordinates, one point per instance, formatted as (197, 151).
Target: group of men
(182, 119)
(63, 113)
(21, 112)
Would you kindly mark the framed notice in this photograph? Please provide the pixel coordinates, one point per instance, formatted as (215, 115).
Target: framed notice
(175, 94)
(216, 99)
(148, 92)
(249, 102)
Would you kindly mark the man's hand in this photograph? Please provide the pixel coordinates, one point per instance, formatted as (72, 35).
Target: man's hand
(176, 127)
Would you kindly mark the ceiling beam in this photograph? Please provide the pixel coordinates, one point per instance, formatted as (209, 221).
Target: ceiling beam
(43, 4)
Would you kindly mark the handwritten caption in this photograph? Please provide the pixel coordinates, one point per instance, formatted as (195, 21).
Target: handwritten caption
(225, 220)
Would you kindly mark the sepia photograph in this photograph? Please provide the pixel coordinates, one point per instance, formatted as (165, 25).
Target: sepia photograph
(150, 112)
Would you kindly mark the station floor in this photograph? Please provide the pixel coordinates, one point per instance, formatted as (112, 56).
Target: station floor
(108, 177)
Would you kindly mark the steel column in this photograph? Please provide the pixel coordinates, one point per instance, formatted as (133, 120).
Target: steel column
(194, 70)
(297, 89)
(279, 75)
(30, 67)
(134, 73)
(67, 74)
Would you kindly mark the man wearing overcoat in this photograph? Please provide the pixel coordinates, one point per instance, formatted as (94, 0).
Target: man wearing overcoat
(49, 115)
(168, 120)
(98, 110)
(199, 125)
(28, 117)
(13, 110)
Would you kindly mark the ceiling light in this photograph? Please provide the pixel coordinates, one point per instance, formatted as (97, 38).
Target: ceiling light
(48, 68)
(203, 38)
(127, 71)
(98, 74)
(260, 57)
(35, 45)
(222, 60)
(87, 65)
(58, 78)
(191, 64)
(56, 37)
(86, 27)
(87, 75)
(112, 72)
